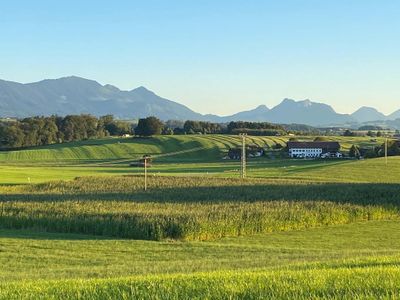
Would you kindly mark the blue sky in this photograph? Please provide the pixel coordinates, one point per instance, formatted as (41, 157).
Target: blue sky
(213, 56)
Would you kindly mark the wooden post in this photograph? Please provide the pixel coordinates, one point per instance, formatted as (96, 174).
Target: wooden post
(243, 156)
(386, 151)
(145, 173)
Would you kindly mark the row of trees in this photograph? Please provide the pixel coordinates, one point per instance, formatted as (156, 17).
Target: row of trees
(369, 133)
(393, 149)
(152, 126)
(253, 125)
(37, 131)
(192, 127)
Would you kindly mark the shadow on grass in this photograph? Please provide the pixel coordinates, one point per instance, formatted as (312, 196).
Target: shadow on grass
(352, 193)
(9, 184)
(51, 236)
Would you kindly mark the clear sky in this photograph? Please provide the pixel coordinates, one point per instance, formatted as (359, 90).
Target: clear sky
(215, 56)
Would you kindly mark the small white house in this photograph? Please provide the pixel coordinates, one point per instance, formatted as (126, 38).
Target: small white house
(313, 149)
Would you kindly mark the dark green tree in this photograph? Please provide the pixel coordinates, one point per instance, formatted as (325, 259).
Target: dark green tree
(149, 126)
(393, 148)
(348, 133)
(354, 151)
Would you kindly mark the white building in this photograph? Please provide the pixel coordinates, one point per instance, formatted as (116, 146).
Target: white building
(313, 149)
(305, 152)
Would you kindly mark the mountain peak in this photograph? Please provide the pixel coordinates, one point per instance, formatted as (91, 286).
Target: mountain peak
(71, 78)
(395, 115)
(68, 81)
(141, 89)
(299, 103)
(366, 108)
(288, 101)
(112, 88)
(262, 107)
(305, 102)
(306, 112)
(366, 114)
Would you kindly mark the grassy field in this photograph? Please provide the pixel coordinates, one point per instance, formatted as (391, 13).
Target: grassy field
(372, 170)
(203, 148)
(191, 208)
(359, 259)
(184, 156)
(75, 222)
(338, 283)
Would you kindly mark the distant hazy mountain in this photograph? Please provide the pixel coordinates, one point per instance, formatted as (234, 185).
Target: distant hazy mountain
(289, 112)
(259, 114)
(75, 95)
(306, 112)
(366, 114)
(256, 115)
(395, 115)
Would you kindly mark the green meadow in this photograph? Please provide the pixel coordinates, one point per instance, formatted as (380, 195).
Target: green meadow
(358, 260)
(76, 223)
(185, 156)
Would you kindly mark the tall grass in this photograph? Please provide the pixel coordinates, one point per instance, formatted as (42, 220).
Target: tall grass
(340, 283)
(190, 221)
(190, 208)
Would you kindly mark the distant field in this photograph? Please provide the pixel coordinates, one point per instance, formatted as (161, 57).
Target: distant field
(182, 156)
(210, 148)
(371, 170)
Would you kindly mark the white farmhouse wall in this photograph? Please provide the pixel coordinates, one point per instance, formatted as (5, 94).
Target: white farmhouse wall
(305, 152)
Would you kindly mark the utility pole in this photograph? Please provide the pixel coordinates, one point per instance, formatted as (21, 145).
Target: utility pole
(145, 172)
(243, 157)
(386, 151)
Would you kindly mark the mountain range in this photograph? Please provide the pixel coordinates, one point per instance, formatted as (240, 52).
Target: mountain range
(75, 95)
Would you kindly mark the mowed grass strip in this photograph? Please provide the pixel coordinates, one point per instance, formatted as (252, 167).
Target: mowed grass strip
(191, 208)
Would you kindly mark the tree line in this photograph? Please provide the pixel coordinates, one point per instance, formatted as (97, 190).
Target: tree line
(153, 126)
(393, 149)
(38, 131)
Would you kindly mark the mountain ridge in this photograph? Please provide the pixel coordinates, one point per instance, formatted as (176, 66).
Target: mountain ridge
(75, 95)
